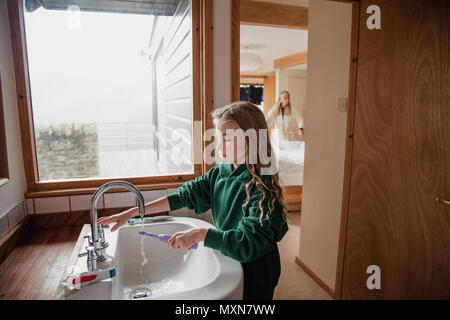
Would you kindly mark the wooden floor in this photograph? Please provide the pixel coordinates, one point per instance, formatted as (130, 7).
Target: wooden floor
(34, 268)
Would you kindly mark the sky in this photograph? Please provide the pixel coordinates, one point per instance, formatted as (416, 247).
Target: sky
(91, 73)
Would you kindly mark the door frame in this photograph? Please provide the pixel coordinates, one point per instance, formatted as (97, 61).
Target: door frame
(235, 76)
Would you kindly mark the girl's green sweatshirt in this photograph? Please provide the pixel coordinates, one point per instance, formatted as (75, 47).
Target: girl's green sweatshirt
(222, 189)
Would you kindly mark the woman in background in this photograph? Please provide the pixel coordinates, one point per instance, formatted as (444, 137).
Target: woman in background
(286, 119)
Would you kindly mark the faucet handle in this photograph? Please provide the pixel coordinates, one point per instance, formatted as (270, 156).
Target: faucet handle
(91, 252)
(91, 258)
(90, 244)
(89, 239)
(101, 234)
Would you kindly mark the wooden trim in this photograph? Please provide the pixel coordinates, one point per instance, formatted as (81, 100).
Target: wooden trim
(38, 188)
(273, 15)
(15, 15)
(347, 1)
(13, 237)
(207, 31)
(249, 76)
(95, 183)
(235, 50)
(314, 276)
(4, 168)
(68, 192)
(269, 93)
(348, 149)
(291, 60)
(197, 83)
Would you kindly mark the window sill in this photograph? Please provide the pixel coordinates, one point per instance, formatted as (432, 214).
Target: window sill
(3, 181)
(76, 191)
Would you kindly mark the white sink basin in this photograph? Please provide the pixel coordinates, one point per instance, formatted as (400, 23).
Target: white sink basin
(165, 273)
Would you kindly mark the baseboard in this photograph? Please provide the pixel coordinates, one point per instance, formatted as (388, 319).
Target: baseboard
(13, 238)
(315, 277)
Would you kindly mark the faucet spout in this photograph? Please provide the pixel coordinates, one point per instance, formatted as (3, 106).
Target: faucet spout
(95, 240)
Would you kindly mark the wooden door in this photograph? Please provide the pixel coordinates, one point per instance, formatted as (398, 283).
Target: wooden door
(400, 161)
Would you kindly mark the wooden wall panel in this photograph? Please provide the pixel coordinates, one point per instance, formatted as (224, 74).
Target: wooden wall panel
(291, 60)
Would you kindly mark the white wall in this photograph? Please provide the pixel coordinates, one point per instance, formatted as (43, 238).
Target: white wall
(294, 81)
(12, 193)
(222, 52)
(297, 90)
(325, 130)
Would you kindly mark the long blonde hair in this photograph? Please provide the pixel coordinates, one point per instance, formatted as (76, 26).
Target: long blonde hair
(245, 115)
(278, 107)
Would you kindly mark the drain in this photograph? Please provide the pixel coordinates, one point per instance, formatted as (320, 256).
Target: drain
(140, 293)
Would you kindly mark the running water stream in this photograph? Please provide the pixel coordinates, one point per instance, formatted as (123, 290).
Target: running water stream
(154, 289)
(144, 258)
(142, 291)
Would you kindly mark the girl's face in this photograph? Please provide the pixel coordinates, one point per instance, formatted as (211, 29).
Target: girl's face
(231, 145)
(285, 100)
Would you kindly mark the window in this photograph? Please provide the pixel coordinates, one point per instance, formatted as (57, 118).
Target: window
(110, 89)
(91, 89)
(252, 93)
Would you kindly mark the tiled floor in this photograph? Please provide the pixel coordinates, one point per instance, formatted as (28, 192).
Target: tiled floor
(294, 283)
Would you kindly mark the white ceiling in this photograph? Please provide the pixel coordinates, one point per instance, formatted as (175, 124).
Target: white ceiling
(273, 43)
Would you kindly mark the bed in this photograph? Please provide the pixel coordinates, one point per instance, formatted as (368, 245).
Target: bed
(291, 156)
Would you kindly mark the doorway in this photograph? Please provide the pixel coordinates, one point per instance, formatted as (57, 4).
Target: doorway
(328, 95)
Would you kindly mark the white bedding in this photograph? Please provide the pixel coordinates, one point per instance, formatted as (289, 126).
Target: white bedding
(291, 157)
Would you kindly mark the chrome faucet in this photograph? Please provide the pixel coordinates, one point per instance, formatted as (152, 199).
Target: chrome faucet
(97, 242)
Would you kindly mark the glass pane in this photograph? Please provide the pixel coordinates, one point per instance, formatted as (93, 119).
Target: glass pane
(109, 90)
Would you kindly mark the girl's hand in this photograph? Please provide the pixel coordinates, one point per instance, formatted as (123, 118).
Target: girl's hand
(119, 218)
(185, 239)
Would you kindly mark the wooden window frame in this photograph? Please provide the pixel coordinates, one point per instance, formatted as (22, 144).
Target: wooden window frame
(202, 62)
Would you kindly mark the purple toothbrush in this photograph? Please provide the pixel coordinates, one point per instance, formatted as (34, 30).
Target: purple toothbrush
(163, 237)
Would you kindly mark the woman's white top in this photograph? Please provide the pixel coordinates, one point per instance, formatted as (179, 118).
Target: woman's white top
(287, 125)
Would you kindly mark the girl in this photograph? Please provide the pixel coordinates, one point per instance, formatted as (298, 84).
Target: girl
(285, 118)
(247, 207)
